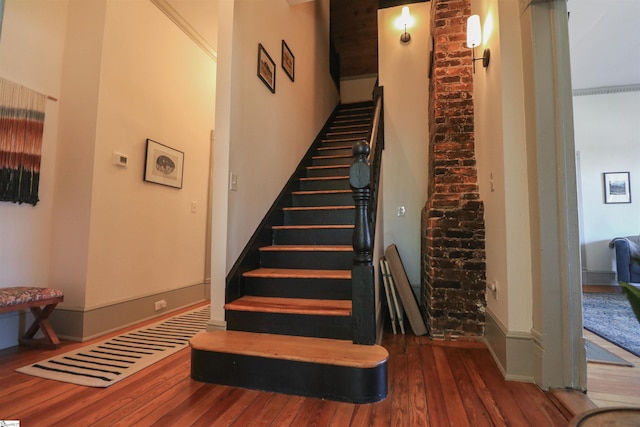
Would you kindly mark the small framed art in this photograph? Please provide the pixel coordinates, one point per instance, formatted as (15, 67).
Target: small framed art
(163, 165)
(617, 187)
(266, 68)
(288, 61)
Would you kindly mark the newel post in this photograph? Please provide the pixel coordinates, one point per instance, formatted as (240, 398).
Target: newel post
(362, 273)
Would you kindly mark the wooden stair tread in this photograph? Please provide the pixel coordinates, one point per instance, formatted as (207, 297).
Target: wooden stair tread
(319, 307)
(329, 166)
(312, 227)
(311, 192)
(335, 156)
(316, 208)
(308, 248)
(324, 178)
(337, 147)
(291, 273)
(300, 349)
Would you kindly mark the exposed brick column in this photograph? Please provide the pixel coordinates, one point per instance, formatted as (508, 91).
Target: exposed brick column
(453, 263)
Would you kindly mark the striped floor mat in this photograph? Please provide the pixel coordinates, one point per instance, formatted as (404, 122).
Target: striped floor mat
(107, 362)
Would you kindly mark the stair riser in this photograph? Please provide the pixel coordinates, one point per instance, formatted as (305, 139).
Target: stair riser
(344, 384)
(345, 135)
(329, 217)
(349, 128)
(329, 184)
(298, 288)
(313, 260)
(315, 173)
(340, 199)
(336, 152)
(340, 236)
(336, 327)
(332, 161)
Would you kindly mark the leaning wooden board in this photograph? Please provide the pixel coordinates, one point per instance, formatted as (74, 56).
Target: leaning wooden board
(404, 290)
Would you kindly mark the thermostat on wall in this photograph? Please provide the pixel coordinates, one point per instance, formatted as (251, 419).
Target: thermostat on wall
(120, 159)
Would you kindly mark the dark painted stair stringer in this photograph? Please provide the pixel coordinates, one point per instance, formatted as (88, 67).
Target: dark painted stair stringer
(298, 293)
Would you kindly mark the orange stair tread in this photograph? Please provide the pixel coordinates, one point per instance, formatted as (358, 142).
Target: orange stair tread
(321, 192)
(308, 248)
(319, 307)
(329, 167)
(294, 348)
(324, 178)
(311, 227)
(316, 208)
(293, 273)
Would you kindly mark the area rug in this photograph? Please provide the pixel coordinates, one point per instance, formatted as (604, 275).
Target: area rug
(597, 354)
(611, 317)
(109, 361)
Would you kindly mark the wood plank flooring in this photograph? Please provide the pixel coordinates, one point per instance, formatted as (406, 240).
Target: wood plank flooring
(430, 384)
(611, 385)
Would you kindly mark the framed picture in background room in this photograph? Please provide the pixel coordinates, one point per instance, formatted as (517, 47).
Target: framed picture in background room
(617, 187)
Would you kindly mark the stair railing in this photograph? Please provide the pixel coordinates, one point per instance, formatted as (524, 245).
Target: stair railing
(364, 177)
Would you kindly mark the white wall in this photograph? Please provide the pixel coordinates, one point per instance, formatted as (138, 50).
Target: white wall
(357, 89)
(403, 71)
(607, 135)
(270, 132)
(155, 83)
(31, 48)
(502, 167)
(123, 72)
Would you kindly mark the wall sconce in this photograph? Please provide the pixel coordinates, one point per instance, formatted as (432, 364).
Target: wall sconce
(474, 38)
(405, 21)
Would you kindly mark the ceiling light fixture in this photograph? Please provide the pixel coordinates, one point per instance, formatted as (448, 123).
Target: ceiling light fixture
(474, 38)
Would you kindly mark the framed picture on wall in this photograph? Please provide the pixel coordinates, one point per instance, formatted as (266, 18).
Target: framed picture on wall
(288, 61)
(266, 68)
(163, 165)
(617, 187)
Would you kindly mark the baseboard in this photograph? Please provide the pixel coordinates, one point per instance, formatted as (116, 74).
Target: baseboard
(78, 325)
(596, 277)
(512, 350)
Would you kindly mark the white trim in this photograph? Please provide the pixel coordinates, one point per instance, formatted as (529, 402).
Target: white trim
(177, 19)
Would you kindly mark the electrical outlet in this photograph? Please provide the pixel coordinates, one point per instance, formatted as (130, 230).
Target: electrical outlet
(159, 305)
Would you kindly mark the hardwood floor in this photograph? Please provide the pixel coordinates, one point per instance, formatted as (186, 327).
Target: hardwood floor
(611, 385)
(430, 383)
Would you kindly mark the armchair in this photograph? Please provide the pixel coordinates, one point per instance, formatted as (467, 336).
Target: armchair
(627, 250)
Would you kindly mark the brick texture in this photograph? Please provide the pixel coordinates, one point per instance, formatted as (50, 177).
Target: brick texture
(453, 236)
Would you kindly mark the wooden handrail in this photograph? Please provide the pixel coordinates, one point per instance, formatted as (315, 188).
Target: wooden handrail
(364, 176)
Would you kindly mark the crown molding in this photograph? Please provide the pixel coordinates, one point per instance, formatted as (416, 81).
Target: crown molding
(177, 19)
(605, 90)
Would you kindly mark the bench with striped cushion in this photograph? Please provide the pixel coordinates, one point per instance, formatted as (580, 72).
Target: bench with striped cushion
(22, 297)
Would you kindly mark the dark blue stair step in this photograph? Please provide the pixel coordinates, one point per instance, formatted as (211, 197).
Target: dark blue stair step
(291, 316)
(336, 150)
(325, 183)
(331, 170)
(332, 160)
(321, 257)
(344, 135)
(323, 198)
(349, 127)
(313, 234)
(321, 215)
(314, 367)
(298, 283)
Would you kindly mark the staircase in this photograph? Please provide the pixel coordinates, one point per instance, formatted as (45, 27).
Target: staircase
(291, 329)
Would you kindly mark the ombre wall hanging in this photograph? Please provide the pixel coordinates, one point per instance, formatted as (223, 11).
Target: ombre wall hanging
(21, 126)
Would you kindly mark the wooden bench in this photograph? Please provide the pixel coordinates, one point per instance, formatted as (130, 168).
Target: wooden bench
(22, 297)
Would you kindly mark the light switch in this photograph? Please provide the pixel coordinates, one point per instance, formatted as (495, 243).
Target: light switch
(194, 207)
(233, 182)
(402, 211)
